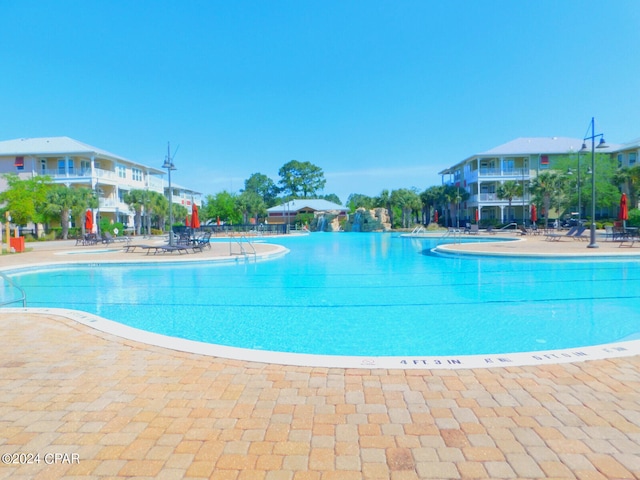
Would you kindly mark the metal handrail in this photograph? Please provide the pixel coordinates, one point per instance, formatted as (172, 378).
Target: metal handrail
(451, 232)
(241, 241)
(23, 299)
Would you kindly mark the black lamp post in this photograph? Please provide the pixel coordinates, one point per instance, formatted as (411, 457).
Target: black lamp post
(168, 164)
(601, 144)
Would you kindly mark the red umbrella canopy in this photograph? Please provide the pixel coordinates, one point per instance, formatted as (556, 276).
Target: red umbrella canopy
(534, 213)
(624, 209)
(88, 221)
(195, 220)
(477, 215)
(435, 216)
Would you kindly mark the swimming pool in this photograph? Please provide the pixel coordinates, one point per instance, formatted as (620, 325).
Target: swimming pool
(360, 294)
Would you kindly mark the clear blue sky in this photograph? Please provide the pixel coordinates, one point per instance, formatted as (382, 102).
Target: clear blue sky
(379, 94)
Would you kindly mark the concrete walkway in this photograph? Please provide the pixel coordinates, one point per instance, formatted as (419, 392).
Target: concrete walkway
(114, 408)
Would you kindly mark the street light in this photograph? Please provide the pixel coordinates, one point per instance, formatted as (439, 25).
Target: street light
(601, 144)
(168, 164)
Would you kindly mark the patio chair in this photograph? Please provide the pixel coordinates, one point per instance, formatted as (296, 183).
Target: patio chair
(204, 240)
(579, 235)
(608, 233)
(554, 237)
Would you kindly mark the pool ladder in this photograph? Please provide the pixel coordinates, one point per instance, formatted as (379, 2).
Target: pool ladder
(451, 233)
(23, 295)
(242, 241)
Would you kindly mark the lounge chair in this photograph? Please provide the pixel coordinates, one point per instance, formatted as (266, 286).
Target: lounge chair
(87, 239)
(579, 235)
(474, 230)
(107, 238)
(204, 240)
(554, 237)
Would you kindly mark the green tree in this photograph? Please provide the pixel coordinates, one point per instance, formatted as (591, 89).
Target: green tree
(262, 186)
(26, 199)
(222, 205)
(85, 198)
(64, 203)
(332, 197)
(429, 199)
(158, 209)
(137, 200)
(358, 200)
(547, 189)
(407, 201)
(508, 191)
(301, 179)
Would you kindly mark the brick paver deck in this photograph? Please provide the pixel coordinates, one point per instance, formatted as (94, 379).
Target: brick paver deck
(131, 410)
(114, 408)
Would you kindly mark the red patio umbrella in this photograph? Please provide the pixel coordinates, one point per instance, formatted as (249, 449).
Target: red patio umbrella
(477, 215)
(534, 213)
(187, 222)
(195, 220)
(88, 221)
(218, 221)
(435, 217)
(624, 209)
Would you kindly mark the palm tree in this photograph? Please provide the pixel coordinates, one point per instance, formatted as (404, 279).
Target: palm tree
(60, 200)
(158, 209)
(508, 191)
(384, 201)
(137, 199)
(85, 198)
(547, 188)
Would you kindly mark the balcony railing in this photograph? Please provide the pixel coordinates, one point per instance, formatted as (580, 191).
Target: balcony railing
(493, 198)
(505, 172)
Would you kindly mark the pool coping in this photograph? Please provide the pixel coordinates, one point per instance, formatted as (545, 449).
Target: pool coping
(597, 352)
(450, 362)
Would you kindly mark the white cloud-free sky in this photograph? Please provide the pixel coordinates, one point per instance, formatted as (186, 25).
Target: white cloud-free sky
(379, 94)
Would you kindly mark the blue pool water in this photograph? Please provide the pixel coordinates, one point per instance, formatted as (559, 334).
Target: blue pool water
(361, 294)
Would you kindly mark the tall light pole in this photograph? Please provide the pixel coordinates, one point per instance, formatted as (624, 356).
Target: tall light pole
(601, 144)
(168, 164)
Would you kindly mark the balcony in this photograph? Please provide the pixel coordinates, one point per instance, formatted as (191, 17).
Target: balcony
(493, 199)
(502, 173)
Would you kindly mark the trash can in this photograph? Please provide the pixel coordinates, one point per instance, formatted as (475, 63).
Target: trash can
(17, 244)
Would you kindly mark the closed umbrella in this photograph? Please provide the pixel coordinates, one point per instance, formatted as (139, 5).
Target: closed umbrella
(534, 213)
(195, 220)
(88, 221)
(435, 217)
(477, 215)
(624, 209)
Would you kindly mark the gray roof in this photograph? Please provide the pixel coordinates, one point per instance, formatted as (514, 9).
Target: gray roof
(58, 146)
(536, 145)
(318, 205)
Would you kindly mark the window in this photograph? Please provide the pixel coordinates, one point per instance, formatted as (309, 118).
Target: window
(620, 158)
(544, 162)
(632, 158)
(61, 163)
(122, 171)
(43, 166)
(136, 173)
(70, 165)
(509, 165)
(85, 166)
(19, 163)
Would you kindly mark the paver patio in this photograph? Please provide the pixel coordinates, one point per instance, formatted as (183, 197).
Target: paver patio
(128, 409)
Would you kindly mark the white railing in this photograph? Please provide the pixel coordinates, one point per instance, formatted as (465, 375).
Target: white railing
(509, 172)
